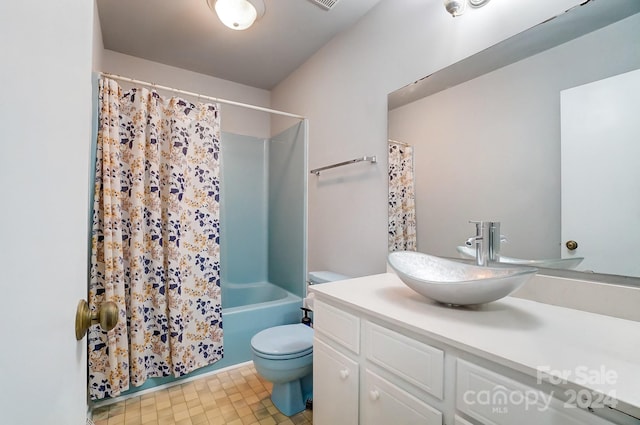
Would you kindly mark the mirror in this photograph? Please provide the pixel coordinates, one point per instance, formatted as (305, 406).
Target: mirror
(486, 131)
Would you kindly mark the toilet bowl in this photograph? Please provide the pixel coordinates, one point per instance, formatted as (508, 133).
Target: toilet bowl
(283, 355)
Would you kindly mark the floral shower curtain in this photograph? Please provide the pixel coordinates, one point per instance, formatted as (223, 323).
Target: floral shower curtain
(402, 213)
(155, 238)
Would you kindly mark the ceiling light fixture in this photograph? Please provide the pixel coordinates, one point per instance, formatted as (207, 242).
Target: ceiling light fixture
(237, 14)
(457, 7)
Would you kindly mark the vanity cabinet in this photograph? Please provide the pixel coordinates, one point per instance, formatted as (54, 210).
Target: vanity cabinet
(370, 372)
(364, 373)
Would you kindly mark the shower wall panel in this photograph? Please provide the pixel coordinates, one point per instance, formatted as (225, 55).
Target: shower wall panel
(244, 209)
(287, 209)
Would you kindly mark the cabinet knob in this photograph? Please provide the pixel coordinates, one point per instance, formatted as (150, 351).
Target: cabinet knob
(374, 395)
(344, 373)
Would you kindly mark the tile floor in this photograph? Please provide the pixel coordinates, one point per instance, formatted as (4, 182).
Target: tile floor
(234, 397)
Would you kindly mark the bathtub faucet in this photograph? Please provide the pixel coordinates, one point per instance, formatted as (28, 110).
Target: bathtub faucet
(487, 241)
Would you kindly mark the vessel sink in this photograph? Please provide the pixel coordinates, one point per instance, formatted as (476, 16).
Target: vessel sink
(454, 282)
(552, 263)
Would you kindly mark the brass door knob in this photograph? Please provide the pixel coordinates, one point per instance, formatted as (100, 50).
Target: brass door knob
(571, 245)
(107, 317)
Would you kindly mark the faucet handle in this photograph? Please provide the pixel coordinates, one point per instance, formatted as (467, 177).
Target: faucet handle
(490, 222)
(479, 231)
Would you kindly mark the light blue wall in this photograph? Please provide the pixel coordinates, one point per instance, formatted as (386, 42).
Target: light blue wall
(287, 212)
(244, 197)
(263, 209)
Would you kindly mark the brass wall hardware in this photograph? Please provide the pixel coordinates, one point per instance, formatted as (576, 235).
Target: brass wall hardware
(107, 317)
(571, 245)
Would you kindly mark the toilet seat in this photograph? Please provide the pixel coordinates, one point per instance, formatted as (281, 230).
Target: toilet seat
(283, 342)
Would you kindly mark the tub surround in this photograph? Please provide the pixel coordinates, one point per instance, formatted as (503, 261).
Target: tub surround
(516, 337)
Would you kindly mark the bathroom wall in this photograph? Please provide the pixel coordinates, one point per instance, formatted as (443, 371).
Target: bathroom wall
(343, 91)
(500, 158)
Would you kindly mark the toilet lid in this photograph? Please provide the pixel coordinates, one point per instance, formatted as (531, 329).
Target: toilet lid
(286, 340)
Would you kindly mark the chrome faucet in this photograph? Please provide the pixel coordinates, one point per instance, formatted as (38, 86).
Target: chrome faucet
(487, 241)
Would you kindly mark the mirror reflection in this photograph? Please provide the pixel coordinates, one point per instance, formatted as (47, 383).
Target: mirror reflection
(486, 137)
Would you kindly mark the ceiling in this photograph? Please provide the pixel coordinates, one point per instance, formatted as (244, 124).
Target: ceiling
(187, 34)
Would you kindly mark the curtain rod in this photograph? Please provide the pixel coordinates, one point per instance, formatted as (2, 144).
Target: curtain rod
(200, 96)
(398, 143)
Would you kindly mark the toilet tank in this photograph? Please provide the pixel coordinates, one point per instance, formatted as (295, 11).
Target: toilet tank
(325, 276)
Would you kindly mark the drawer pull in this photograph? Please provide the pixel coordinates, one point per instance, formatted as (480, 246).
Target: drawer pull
(374, 395)
(344, 373)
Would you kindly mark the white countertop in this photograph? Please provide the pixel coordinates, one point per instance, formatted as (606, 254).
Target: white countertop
(520, 334)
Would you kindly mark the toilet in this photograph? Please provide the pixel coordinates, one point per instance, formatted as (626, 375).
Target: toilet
(283, 355)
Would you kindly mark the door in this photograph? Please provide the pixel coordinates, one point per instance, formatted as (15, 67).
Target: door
(45, 138)
(600, 174)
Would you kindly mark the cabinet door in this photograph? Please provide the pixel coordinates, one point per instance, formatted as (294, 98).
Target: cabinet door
(335, 387)
(384, 403)
(497, 400)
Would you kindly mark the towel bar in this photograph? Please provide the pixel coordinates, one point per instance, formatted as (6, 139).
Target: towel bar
(371, 159)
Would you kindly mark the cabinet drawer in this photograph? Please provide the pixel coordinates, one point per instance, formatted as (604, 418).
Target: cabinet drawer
(383, 403)
(342, 327)
(335, 387)
(413, 361)
(494, 399)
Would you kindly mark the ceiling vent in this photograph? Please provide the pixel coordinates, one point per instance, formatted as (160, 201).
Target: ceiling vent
(325, 4)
